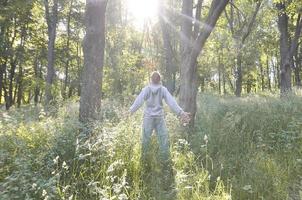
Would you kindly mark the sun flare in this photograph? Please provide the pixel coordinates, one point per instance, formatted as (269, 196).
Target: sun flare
(142, 10)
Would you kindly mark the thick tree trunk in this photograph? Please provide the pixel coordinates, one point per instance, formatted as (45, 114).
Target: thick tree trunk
(287, 49)
(285, 68)
(93, 46)
(192, 49)
(51, 19)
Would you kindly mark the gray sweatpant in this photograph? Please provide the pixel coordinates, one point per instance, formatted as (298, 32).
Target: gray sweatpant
(158, 124)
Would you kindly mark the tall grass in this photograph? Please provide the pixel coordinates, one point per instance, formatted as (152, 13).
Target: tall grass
(255, 143)
(248, 148)
(46, 157)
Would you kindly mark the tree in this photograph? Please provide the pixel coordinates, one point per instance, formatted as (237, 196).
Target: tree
(192, 47)
(240, 34)
(51, 19)
(93, 47)
(288, 45)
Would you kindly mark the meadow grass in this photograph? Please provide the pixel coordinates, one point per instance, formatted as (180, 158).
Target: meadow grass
(248, 148)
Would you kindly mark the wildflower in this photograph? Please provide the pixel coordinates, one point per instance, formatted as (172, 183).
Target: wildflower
(66, 188)
(205, 138)
(122, 197)
(44, 193)
(55, 160)
(247, 188)
(189, 187)
(65, 166)
(34, 186)
(113, 165)
(117, 188)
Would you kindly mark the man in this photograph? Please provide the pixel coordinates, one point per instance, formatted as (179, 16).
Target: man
(153, 94)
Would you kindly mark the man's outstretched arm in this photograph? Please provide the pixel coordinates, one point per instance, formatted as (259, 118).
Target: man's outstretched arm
(138, 101)
(172, 103)
(185, 117)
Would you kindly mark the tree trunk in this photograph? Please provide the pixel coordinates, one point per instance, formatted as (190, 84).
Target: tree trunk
(20, 87)
(10, 100)
(219, 74)
(37, 88)
(287, 49)
(68, 51)
(268, 73)
(261, 75)
(240, 37)
(191, 51)
(93, 46)
(238, 72)
(51, 19)
(285, 74)
(1, 81)
(224, 81)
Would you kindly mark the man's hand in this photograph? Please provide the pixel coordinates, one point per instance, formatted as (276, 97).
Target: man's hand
(185, 118)
(127, 114)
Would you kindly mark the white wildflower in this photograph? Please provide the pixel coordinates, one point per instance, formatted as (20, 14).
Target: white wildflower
(34, 186)
(55, 160)
(122, 197)
(44, 193)
(205, 138)
(65, 166)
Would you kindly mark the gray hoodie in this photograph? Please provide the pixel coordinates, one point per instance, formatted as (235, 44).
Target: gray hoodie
(153, 95)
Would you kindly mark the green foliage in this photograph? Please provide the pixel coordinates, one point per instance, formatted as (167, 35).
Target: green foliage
(46, 157)
(257, 140)
(249, 147)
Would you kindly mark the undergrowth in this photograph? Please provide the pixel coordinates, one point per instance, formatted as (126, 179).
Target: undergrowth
(248, 148)
(47, 157)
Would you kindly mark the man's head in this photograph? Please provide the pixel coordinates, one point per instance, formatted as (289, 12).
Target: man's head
(155, 77)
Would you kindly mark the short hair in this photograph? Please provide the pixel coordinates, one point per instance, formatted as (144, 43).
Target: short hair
(155, 77)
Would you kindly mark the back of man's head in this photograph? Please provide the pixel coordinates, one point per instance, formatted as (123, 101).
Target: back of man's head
(155, 77)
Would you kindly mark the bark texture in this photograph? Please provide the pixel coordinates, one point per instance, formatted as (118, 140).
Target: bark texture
(93, 46)
(191, 48)
(287, 48)
(51, 19)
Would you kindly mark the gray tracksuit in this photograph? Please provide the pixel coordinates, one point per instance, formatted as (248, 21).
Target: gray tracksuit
(154, 116)
(153, 95)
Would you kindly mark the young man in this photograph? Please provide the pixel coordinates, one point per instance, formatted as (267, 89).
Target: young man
(153, 94)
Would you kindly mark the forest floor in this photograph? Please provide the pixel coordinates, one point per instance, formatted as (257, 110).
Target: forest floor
(248, 148)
